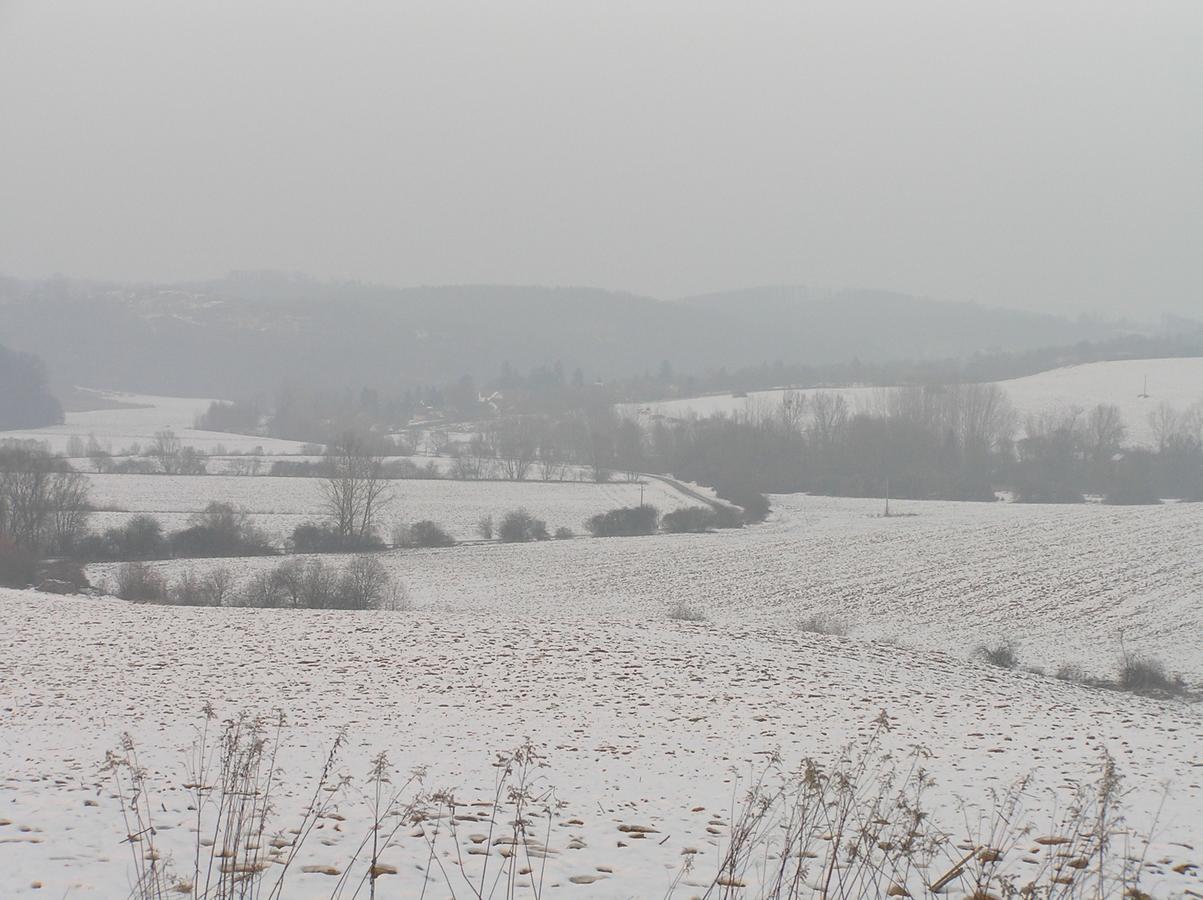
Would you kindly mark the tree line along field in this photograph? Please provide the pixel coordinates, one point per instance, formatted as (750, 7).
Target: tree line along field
(1177, 382)
(277, 505)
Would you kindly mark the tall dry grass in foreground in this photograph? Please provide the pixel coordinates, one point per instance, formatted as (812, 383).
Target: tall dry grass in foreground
(859, 826)
(862, 827)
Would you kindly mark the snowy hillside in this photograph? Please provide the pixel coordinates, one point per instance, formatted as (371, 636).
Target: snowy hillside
(142, 416)
(647, 726)
(1175, 382)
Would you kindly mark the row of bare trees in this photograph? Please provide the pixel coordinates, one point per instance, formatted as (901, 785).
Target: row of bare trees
(548, 448)
(947, 441)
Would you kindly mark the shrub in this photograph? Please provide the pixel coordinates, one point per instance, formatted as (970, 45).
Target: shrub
(727, 516)
(625, 521)
(519, 526)
(139, 582)
(422, 534)
(64, 571)
(311, 585)
(263, 591)
(18, 565)
(485, 528)
(1143, 675)
(309, 537)
(221, 530)
(293, 584)
(187, 591)
(93, 546)
(140, 538)
(1004, 654)
(132, 466)
(209, 589)
(365, 584)
(683, 612)
(755, 504)
(362, 584)
(1070, 672)
(691, 519)
(822, 623)
(563, 533)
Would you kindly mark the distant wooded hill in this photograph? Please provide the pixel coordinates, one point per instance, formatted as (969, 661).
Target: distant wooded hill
(219, 337)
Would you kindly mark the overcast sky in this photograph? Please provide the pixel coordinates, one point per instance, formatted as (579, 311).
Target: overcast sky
(1044, 154)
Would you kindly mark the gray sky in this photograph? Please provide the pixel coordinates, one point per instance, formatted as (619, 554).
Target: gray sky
(1045, 154)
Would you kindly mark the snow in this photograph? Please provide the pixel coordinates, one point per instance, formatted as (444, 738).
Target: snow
(1175, 382)
(1068, 582)
(117, 429)
(643, 721)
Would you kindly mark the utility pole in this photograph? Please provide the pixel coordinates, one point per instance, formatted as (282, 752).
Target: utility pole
(887, 498)
(641, 495)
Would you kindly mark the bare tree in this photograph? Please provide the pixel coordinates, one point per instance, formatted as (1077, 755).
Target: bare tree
(1104, 432)
(43, 502)
(191, 462)
(793, 409)
(1191, 422)
(983, 418)
(551, 452)
(829, 417)
(515, 444)
(166, 451)
(67, 509)
(354, 490)
(437, 441)
(100, 457)
(552, 466)
(1166, 423)
(468, 466)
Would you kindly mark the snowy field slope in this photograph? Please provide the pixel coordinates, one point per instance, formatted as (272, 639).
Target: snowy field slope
(643, 721)
(279, 504)
(1067, 582)
(116, 429)
(1176, 382)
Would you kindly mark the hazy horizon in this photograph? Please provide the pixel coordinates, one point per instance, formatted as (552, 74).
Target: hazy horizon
(1021, 156)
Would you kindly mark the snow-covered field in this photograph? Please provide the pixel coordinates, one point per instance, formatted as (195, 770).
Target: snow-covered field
(1067, 582)
(644, 721)
(441, 466)
(279, 504)
(1175, 382)
(118, 429)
